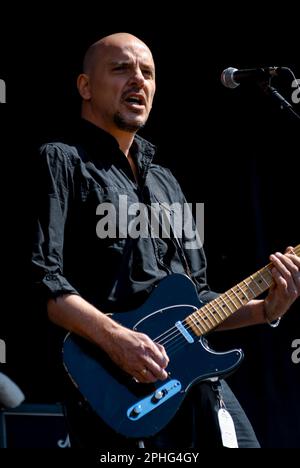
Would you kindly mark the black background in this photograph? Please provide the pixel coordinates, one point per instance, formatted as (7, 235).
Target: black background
(234, 150)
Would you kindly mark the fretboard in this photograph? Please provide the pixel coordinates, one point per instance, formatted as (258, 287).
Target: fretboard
(217, 311)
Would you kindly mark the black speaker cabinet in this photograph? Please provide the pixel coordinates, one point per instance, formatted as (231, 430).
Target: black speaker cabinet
(33, 426)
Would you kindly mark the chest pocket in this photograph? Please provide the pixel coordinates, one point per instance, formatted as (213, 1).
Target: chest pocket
(167, 212)
(113, 208)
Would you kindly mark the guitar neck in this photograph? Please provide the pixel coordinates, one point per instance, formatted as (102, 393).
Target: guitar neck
(217, 311)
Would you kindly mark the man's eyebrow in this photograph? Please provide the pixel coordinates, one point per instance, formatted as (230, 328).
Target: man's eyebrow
(114, 63)
(120, 62)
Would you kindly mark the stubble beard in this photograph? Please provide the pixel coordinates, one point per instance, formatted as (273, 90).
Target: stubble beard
(125, 125)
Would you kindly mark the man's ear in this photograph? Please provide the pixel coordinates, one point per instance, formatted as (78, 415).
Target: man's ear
(83, 86)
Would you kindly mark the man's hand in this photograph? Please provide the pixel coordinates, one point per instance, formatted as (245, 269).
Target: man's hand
(133, 352)
(136, 354)
(286, 287)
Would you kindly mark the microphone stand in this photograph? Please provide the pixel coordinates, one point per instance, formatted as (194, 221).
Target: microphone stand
(277, 97)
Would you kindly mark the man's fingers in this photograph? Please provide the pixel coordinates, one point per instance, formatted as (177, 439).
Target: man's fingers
(289, 266)
(164, 355)
(157, 360)
(151, 372)
(145, 360)
(280, 280)
(285, 265)
(146, 376)
(156, 370)
(157, 352)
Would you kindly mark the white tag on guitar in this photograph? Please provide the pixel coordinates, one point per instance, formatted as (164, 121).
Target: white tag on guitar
(227, 429)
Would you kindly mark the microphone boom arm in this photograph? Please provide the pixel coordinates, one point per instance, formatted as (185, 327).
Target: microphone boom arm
(277, 97)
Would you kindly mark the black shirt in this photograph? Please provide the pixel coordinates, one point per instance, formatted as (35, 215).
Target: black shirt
(76, 178)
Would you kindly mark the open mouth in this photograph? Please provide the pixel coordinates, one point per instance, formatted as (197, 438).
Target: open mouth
(135, 101)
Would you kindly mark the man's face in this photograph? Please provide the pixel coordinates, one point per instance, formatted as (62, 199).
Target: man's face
(122, 86)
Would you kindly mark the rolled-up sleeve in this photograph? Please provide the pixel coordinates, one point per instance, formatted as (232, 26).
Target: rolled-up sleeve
(53, 196)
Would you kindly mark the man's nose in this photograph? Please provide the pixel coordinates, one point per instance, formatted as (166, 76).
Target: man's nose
(137, 77)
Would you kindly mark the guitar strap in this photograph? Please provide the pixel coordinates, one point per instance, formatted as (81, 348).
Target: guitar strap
(176, 241)
(183, 257)
(158, 195)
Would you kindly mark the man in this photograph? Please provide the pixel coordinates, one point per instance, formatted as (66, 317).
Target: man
(84, 275)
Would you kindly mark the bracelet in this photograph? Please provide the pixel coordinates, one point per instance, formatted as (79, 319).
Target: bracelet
(272, 323)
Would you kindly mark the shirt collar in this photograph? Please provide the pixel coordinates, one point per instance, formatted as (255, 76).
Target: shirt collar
(103, 145)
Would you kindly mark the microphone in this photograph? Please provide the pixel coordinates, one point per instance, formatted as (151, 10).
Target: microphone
(11, 395)
(232, 77)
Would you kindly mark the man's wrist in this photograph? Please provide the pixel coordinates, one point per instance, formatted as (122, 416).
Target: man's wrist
(270, 321)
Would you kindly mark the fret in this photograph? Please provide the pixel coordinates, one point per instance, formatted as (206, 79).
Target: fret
(244, 298)
(199, 316)
(215, 312)
(237, 296)
(208, 315)
(212, 312)
(270, 275)
(229, 298)
(200, 320)
(194, 320)
(260, 273)
(255, 288)
(223, 306)
(232, 298)
(227, 305)
(192, 323)
(223, 310)
(248, 288)
(256, 284)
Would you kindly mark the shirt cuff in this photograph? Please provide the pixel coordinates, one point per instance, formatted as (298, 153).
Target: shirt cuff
(55, 285)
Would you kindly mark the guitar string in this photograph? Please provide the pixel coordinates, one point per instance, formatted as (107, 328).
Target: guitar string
(203, 316)
(230, 294)
(173, 345)
(173, 332)
(202, 319)
(176, 346)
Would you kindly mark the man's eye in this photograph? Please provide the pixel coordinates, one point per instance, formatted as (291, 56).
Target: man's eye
(120, 67)
(147, 73)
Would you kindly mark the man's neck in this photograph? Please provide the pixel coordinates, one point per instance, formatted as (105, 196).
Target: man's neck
(124, 139)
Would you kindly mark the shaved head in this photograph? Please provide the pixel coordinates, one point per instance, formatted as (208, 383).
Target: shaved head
(99, 49)
(117, 85)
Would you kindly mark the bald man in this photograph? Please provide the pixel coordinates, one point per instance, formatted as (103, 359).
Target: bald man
(82, 275)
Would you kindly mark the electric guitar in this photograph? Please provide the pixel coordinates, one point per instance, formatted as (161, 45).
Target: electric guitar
(174, 316)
